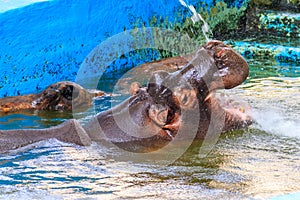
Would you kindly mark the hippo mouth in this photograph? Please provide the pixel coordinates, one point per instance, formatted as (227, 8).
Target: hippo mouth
(166, 119)
(164, 114)
(170, 120)
(237, 112)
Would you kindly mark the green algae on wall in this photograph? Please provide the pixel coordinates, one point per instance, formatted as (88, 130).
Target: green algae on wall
(225, 20)
(222, 19)
(281, 24)
(272, 17)
(271, 52)
(288, 5)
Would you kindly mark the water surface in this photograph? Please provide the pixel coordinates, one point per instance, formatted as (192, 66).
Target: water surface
(257, 163)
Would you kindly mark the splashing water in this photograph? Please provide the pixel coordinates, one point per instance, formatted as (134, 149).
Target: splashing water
(274, 103)
(196, 17)
(275, 123)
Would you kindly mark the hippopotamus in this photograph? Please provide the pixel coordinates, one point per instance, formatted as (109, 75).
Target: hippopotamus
(172, 104)
(60, 96)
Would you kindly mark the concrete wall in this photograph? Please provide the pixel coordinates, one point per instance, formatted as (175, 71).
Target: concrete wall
(46, 42)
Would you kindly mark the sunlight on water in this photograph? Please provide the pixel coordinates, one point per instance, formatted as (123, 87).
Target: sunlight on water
(27, 194)
(253, 164)
(267, 155)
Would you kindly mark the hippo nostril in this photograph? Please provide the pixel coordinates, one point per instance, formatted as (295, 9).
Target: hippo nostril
(221, 63)
(221, 53)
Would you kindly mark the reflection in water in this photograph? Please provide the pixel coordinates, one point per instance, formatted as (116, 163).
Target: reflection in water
(268, 164)
(32, 119)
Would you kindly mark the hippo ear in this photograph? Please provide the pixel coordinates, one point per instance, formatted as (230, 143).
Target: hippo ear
(232, 67)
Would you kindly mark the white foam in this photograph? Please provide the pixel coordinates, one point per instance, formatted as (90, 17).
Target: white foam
(274, 122)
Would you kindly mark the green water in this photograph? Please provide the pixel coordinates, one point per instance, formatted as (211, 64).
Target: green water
(34, 119)
(257, 163)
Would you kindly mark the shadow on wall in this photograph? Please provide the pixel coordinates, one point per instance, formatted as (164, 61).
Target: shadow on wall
(47, 41)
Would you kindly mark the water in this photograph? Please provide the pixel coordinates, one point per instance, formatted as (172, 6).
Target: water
(274, 122)
(196, 17)
(275, 104)
(35, 120)
(258, 163)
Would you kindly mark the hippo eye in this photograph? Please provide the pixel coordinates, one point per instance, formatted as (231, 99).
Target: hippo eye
(184, 99)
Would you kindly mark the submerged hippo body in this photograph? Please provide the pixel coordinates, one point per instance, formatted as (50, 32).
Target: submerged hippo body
(61, 96)
(172, 104)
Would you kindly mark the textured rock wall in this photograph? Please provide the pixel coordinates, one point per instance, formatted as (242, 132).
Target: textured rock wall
(275, 17)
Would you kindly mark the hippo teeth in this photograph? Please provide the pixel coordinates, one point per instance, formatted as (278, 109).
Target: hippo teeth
(174, 126)
(209, 96)
(169, 134)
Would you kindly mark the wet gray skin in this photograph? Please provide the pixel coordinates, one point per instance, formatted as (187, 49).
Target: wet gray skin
(156, 110)
(152, 116)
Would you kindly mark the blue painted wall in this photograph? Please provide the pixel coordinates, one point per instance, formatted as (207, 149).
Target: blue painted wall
(46, 42)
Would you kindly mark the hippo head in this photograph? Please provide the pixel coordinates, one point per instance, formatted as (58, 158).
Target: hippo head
(153, 115)
(213, 66)
(63, 96)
